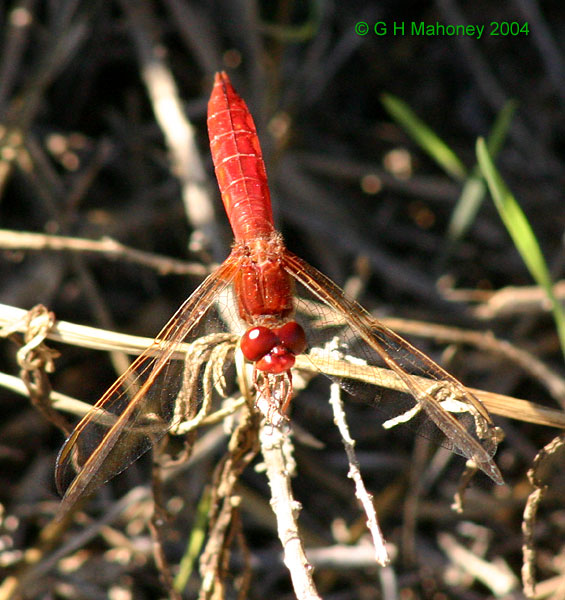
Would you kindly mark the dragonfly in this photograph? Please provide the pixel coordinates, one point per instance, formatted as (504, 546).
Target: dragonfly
(274, 307)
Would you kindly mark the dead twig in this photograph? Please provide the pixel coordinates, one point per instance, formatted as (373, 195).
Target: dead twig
(242, 449)
(495, 574)
(179, 133)
(38, 563)
(548, 459)
(275, 447)
(366, 499)
(100, 339)
(506, 302)
(24, 240)
(506, 406)
(489, 343)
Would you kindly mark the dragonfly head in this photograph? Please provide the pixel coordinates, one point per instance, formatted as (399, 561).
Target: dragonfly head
(273, 349)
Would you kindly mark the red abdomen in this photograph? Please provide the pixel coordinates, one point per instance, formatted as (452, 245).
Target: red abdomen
(239, 163)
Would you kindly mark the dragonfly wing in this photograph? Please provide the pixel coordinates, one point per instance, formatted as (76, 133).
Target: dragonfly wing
(466, 429)
(138, 409)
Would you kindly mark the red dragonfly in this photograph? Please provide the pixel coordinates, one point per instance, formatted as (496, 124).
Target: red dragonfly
(260, 289)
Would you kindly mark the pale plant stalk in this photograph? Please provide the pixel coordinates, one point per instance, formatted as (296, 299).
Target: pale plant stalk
(366, 499)
(279, 463)
(13, 320)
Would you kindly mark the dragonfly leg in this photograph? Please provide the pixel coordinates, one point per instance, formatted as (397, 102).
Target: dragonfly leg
(287, 392)
(273, 395)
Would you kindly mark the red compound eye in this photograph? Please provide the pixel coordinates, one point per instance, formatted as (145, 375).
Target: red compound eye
(258, 341)
(279, 360)
(292, 336)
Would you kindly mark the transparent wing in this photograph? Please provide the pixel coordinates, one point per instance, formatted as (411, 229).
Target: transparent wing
(139, 408)
(436, 403)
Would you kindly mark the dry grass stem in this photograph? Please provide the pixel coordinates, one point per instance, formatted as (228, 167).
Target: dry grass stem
(14, 320)
(495, 574)
(486, 341)
(274, 447)
(508, 301)
(38, 563)
(546, 464)
(179, 133)
(366, 499)
(112, 249)
(506, 406)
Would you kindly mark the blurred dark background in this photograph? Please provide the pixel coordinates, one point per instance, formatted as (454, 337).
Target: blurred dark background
(82, 154)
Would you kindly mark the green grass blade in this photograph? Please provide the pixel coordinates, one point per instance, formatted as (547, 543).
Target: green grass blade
(501, 126)
(466, 208)
(195, 542)
(424, 136)
(474, 189)
(522, 235)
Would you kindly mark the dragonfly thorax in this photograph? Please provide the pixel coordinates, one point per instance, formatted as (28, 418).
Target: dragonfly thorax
(262, 286)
